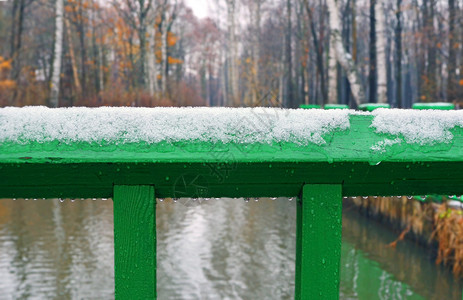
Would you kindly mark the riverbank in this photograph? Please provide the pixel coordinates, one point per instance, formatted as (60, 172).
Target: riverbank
(435, 226)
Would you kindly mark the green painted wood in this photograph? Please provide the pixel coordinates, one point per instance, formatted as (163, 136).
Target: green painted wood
(309, 106)
(233, 180)
(135, 242)
(435, 105)
(87, 170)
(373, 106)
(336, 106)
(318, 242)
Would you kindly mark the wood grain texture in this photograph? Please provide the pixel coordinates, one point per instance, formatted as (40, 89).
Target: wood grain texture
(135, 242)
(318, 242)
(229, 180)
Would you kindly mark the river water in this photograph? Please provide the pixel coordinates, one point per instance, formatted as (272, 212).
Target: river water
(217, 249)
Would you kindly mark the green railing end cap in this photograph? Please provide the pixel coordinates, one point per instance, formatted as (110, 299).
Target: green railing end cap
(435, 105)
(336, 106)
(310, 106)
(373, 106)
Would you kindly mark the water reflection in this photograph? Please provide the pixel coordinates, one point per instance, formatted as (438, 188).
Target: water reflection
(226, 249)
(371, 270)
(56, 250)
(221, 249)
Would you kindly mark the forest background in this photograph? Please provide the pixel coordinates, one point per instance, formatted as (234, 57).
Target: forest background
(280, 53)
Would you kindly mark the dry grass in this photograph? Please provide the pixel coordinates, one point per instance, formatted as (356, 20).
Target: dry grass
(448, 232)
(427, 221)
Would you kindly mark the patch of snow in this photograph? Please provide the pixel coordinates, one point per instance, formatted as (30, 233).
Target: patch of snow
(154, 125)
(423, 127)
(381, 145)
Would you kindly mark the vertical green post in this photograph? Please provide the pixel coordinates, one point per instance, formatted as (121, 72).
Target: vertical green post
(318, 242)
(135, 242)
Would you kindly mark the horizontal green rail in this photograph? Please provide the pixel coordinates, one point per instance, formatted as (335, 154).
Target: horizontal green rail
(358, 160)
(232, 170)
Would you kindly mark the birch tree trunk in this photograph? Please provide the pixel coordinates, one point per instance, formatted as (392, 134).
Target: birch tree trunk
(373, 55)
(381, 63)
(152, 74)
(453, 45)
(232, 51)
(58, 52)
(255, 20)
(289, 100)
(398, 54)
(332, 74)
(344, 58)
(164, 55)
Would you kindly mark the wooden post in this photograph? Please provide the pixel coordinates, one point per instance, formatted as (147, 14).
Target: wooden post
(135, 242)
(318, 244)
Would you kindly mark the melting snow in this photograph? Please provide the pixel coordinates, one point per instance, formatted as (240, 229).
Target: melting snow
(381, 145)
(154, 125)
(424, 127)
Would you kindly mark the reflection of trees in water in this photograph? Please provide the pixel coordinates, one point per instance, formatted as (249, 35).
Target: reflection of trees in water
(408, 263)
(224, 247)
(59, 250)
(241, 250)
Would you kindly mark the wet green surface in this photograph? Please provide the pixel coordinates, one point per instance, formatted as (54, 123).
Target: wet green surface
(225, 249)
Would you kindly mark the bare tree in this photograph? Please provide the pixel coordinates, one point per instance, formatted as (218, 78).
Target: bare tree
(58, 52)
(232, 51)
(136, 13)
(381, 63)
(151, 63)
(398, 52)
(344, 58)
(453, 45)
(318, 45)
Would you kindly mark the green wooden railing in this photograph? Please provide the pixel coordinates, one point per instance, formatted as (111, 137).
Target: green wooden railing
(318, 175)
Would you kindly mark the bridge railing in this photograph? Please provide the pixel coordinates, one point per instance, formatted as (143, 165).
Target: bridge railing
(137, 155)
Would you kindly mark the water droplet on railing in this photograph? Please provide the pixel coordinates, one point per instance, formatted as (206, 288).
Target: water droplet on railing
(410, 197)
(247, 200)
(27, 199)
(365, 197)
(73, 200)
(291, 198)
(14, 199)
(207, 199)
(195, 199)
(104, 199)
(256, 199)
(217, 199)
(61, 200)
(161, 199)
(398, 197)
(273, 198)
(175, 200)
(94, 199)
(35, 199)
